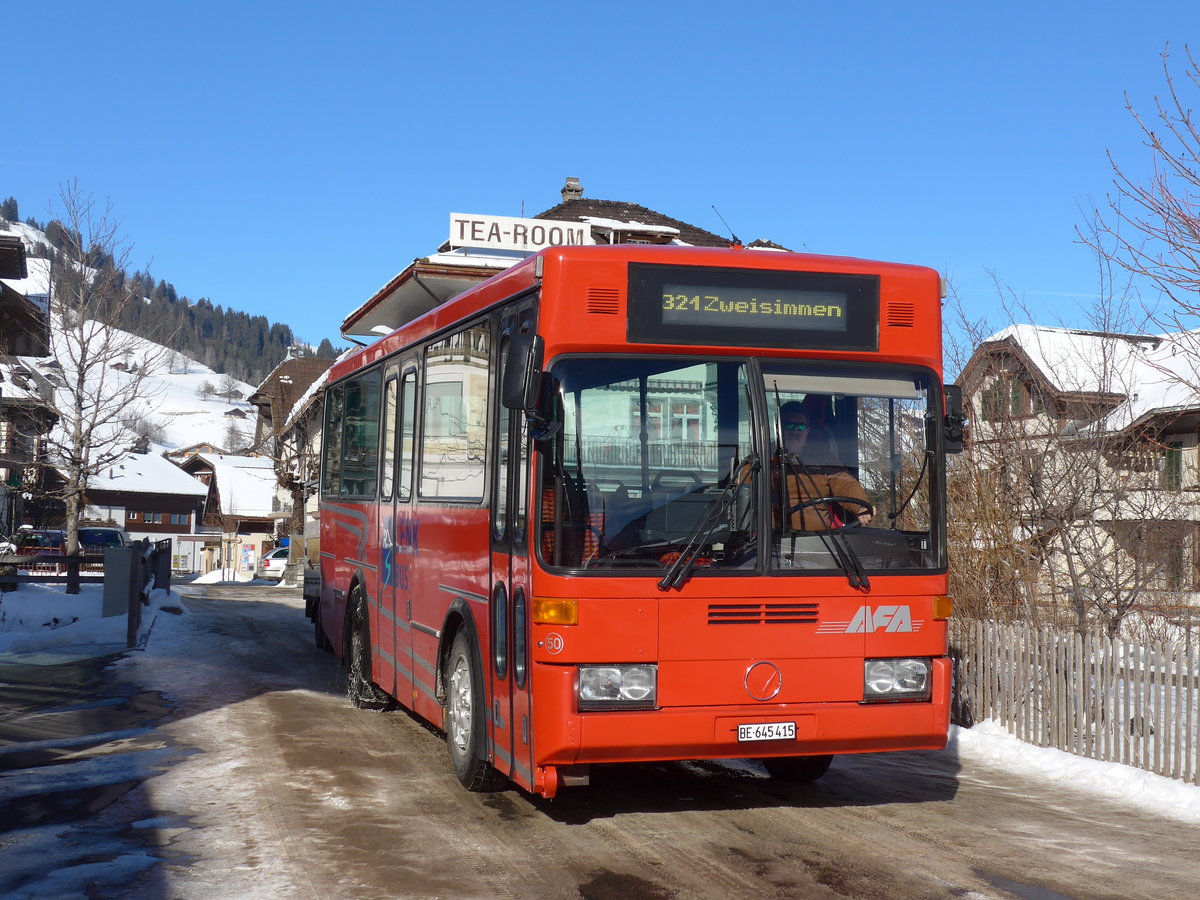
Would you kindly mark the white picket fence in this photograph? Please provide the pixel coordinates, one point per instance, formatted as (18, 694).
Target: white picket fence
(1086, 694)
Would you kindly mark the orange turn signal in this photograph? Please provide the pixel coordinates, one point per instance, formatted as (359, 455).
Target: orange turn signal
(943, 607)
(548, 611)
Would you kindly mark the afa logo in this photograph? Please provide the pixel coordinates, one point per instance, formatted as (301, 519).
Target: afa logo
(871, 619)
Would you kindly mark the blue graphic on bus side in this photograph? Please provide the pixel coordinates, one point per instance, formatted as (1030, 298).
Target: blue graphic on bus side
(398, 544)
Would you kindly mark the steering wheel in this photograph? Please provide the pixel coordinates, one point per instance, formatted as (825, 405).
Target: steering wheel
(852, 518)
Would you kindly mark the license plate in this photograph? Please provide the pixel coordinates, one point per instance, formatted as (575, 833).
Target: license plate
(767, 731)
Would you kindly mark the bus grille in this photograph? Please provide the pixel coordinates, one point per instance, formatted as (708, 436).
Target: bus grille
(762, 613)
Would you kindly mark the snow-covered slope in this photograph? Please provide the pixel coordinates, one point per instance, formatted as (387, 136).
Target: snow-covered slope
(172, 394)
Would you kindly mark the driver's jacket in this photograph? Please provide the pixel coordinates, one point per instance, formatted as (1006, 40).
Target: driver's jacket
(822, 481)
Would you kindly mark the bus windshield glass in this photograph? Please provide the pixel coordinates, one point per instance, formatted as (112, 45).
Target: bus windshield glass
(653, 456)
(853, 447)
(662, 458)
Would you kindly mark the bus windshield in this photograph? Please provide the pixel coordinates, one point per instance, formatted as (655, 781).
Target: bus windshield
(854, 446)
(651, 450)
(660, 458)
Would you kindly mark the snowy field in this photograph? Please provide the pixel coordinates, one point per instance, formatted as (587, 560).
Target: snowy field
(40, 622)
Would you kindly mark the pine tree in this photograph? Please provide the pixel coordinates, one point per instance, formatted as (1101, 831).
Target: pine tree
(8, 210)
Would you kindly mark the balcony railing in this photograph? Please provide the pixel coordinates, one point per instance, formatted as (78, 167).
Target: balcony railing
(660, 454)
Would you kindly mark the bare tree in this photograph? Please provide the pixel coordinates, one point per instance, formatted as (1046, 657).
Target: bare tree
(229, 388)
(88, 298)
(1151, 226)
(1056, 502)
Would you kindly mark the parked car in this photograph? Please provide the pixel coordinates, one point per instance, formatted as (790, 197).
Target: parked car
(95, 539)
(272, 563)
(40, 542)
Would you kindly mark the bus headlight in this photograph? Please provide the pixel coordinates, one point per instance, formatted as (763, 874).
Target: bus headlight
(618, 687)
(897, 679)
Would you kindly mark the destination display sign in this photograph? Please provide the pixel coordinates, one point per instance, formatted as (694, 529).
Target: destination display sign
(748, 307)
(753, 307)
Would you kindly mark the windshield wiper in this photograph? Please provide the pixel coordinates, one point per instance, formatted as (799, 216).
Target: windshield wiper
(835, 542)
(897, 513)
(681, 569)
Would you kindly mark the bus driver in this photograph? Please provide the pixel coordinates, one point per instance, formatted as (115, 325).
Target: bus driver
(810, 479)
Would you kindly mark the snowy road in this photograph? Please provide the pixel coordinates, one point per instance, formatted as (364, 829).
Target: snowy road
(257, 779)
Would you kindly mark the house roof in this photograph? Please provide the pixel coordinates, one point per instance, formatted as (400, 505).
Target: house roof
(300, 407)
(288, 382)
(618, 216)
(432, 280)
(1145, 376)
(245, 484)
(147, 473)
(423, 285)
(184, 454)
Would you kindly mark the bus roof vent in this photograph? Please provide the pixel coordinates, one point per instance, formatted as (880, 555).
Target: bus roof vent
(900, 315)
(603, 301)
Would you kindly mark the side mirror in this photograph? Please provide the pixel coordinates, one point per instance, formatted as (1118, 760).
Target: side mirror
(952, 429)
(522, 372)
(522, 384)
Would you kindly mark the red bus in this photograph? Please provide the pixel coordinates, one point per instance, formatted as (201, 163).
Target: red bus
(554, 523)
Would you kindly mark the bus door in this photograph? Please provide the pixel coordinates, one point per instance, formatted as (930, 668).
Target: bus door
(508, 648)
(398, 529)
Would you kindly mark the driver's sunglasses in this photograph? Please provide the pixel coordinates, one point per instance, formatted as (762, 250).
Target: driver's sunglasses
(795, 426)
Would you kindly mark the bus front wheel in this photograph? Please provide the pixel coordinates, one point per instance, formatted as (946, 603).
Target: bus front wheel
(800, 769)
(466, 719)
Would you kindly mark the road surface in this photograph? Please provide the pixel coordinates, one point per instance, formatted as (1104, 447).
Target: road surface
(242, 772)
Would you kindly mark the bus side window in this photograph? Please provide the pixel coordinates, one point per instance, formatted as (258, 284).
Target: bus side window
(331, 483)
(454, 426)
(408, 419)
(360, 436)
(388, 462)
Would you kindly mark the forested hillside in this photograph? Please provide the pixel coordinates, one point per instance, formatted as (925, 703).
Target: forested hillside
(228, 341)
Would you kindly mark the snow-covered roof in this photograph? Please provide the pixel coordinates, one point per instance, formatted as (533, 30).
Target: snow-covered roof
(632, 225)
(36, 285)
(1154, 373)
(147, 473)
(21, 379)
(466, 257)
(246, 484)
(306, 398)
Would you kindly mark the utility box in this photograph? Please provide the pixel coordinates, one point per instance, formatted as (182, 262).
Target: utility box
(121, 572)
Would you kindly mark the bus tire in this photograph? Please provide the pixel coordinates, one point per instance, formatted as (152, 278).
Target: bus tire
(798, 769)
(319, 636)
(466, 719)
(363, 693)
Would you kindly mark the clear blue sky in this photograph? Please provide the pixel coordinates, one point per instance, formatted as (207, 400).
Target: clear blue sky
(288, 158)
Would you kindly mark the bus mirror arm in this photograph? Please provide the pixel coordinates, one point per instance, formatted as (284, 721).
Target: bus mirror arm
(541, 428)
(955, 422)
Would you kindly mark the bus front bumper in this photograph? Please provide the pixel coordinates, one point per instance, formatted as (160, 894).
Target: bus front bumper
(712, 732)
